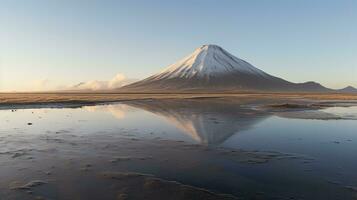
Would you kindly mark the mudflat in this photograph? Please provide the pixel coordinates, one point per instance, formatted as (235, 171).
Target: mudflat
(102, 97)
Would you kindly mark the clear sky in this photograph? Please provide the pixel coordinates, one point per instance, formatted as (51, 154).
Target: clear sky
(64, 42)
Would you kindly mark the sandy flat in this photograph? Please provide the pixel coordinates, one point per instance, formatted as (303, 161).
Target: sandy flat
(11, 99)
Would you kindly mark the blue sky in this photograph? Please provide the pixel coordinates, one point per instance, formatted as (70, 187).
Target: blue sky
(65, 42)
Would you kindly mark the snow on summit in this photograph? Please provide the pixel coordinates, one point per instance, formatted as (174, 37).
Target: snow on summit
(208, 60)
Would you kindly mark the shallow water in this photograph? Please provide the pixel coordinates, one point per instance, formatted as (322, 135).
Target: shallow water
(220, 146)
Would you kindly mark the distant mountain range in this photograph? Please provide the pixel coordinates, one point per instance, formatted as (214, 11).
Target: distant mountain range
(210, 68)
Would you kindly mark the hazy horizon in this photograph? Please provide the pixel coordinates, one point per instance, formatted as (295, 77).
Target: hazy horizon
(49, 45)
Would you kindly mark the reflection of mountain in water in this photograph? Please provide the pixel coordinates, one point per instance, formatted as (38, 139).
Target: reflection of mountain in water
(208, 122)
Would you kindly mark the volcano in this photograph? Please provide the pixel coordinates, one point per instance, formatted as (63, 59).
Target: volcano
(210, 68)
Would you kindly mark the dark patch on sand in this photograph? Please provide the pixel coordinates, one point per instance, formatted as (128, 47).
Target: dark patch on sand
(145, 186)
(308, 110)
(308, 114)
(27, 186)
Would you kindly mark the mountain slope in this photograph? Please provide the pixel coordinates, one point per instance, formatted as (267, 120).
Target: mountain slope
(211, 68)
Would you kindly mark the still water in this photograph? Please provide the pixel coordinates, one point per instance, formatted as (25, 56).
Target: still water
(190, 142)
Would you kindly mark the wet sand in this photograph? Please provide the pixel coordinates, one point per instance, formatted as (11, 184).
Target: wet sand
(64, 165)
(112, 166)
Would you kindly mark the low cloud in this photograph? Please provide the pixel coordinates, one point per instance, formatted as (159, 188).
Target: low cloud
(118, 111)
(118, 81)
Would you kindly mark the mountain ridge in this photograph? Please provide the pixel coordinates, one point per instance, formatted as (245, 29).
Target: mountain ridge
(210, 68)
(348, 89)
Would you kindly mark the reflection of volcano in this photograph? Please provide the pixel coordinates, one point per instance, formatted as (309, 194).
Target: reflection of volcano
(208, 122)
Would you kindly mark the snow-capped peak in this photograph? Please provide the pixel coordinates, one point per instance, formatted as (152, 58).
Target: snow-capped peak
(207, 61)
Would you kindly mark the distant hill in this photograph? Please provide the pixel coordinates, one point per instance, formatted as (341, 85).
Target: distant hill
(348, 89)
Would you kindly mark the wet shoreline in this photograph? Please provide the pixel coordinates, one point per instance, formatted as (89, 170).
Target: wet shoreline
(211, 148)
